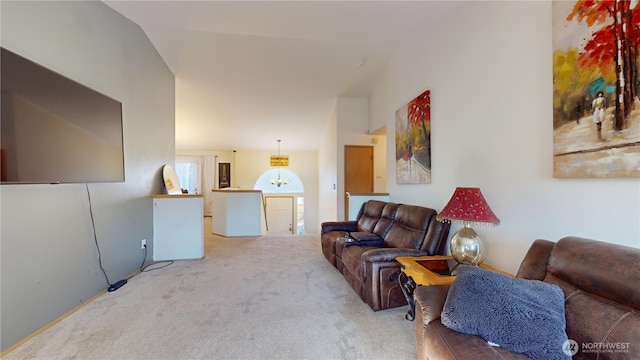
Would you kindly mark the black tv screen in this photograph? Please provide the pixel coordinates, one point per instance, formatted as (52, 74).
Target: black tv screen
(55, 130)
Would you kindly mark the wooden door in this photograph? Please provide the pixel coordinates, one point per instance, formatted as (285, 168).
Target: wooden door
(358, 172)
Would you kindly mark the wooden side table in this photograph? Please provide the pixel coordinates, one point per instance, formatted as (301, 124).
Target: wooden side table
(425, 271)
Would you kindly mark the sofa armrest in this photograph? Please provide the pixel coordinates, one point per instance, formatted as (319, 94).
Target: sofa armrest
(347, 226)
(534, 265)
(389, 254)
(430, 301)
(379, 271)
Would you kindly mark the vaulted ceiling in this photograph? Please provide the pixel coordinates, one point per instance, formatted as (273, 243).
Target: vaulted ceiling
(251, 72)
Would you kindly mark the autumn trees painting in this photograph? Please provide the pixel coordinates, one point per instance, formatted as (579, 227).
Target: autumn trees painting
(596, 52)
(413, 141)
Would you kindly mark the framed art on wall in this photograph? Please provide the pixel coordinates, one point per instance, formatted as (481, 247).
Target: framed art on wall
(413, 141)
(596, 111)
(224, 175)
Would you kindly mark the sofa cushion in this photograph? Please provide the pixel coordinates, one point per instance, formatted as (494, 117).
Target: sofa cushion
(386, 219)
(409, 227)
(370, 213)
(525, 316)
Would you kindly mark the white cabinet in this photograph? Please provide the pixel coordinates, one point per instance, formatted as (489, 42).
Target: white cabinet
(178, 227)
(237, 212)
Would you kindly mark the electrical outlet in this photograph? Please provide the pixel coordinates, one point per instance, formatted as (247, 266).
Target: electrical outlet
(143, 244)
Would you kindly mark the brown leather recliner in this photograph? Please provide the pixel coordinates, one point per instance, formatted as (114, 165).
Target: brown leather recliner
(368, 217)
(602, 303)
(381, 232)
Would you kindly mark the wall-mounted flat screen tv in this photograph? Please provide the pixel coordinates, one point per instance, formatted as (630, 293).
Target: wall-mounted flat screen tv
(55, 130)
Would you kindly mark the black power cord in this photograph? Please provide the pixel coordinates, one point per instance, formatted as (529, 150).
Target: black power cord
(144, 268)
(118, 284)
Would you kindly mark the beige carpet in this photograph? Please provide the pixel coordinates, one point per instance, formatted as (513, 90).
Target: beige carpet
(272, 297)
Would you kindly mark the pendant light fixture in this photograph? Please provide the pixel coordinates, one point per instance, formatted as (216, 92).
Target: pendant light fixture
(279, 160)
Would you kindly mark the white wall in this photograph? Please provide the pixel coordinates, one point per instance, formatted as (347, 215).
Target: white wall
(49, 258)
(327, 172)
(209, 171)
(352, 120)
(250, 164)
(488, 66)
(223, 156)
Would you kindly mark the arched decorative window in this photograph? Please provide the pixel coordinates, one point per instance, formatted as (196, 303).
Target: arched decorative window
(293, 186)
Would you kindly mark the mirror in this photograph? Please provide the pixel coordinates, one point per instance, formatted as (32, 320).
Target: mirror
(171, 181)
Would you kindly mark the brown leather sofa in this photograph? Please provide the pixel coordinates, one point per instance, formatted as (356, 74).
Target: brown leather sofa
(601, 285)
(381, 232)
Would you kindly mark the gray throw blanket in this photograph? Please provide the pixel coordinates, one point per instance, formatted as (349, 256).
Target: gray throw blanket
(525, 316)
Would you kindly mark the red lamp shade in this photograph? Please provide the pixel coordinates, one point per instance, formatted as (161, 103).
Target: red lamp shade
(468, 205)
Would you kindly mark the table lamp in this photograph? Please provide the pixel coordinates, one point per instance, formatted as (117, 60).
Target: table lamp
(468, 206)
